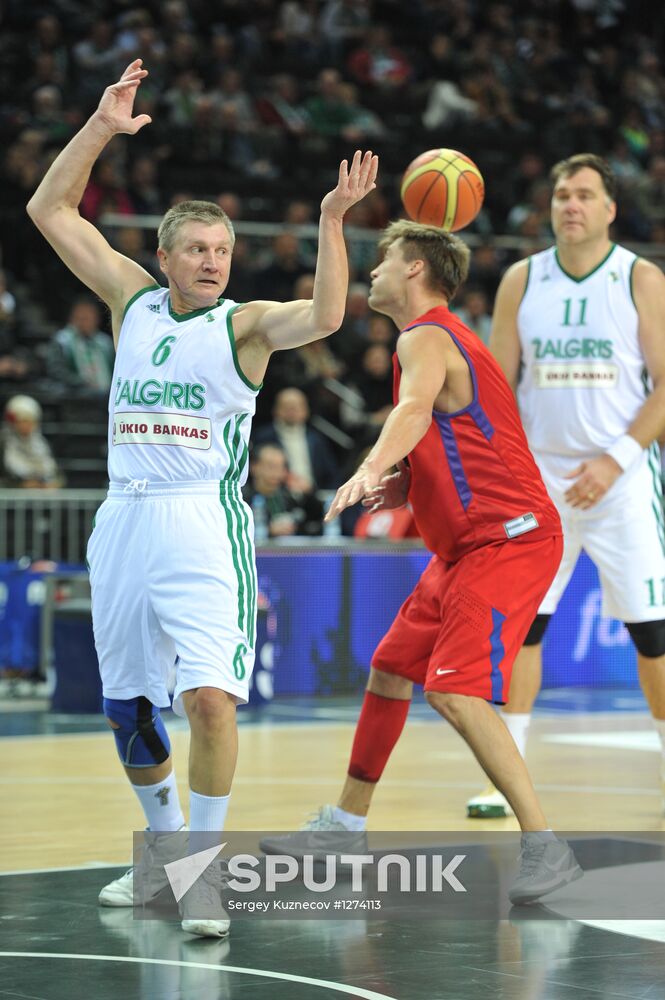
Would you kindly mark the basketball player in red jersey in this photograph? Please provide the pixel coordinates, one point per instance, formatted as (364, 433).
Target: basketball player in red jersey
(481, 507)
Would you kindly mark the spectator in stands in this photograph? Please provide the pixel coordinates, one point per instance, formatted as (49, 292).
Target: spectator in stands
(130, 241)
(328, 113)
(14, 362)
(230, 203)
(26, 460)
(279, 107)
(350, 340)
(473, 310)
(297, 31)
(81, 355)
(48, 115)
(105, 191)
(650, 192)
(276, 281)
(365, 409)
(230, 92)
(310, 460)
(287, 513)
(96, 59)
(144, 191)
(363, 124)
(379, 62)
(342, 24)
(381, 330)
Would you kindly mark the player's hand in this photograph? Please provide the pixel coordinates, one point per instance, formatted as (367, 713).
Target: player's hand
(352, 184)
(361, 484)
(592, 481)
(117, 103)
(391, 493)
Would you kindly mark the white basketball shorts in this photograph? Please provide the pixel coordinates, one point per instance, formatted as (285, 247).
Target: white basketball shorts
(173, 574)
(623, 534)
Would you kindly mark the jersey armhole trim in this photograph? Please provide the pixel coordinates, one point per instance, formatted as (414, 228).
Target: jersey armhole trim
(630, 281)
(234, 352)
(137, 295)
(528, 275)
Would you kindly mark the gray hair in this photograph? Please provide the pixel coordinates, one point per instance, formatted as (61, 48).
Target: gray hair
(191, 211)
(23, 408)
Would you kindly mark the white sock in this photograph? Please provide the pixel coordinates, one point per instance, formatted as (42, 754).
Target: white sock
(161, 805)
(350, 820)
(546, 836)
(207, 812)
(518, 726)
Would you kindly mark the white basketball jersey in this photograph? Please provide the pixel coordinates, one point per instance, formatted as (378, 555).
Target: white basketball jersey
(583, 377)
(180, 407)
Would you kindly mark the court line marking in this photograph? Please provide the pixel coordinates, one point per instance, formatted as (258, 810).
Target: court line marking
(314, 780)
(356, 991)
(647, 930)
(86, 866)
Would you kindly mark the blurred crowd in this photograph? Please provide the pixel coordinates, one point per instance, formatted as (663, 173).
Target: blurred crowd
(253, 105)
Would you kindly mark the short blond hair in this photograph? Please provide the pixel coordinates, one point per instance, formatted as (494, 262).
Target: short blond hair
(447, 256)
(191, 211)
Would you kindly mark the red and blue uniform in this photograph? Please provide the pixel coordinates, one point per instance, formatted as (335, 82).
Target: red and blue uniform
(481, 507)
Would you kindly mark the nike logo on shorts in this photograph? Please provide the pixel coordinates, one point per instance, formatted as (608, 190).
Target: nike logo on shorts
(440, 671)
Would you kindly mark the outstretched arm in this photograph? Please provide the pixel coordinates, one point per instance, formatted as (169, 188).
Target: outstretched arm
(290, 324)
(54, 206)
(422, 358)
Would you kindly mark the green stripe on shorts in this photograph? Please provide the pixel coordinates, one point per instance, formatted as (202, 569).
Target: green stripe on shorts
(657, 502)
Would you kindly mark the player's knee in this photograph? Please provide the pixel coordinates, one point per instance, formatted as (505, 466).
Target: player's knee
(140, 734)
(447, 704)
(649, 637)
(208, 707)
(535, 634)
(389, 685)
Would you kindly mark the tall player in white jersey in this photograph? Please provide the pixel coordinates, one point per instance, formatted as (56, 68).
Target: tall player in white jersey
(171, 555)
(579, 331)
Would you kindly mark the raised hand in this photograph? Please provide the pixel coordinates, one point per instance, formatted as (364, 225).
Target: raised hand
(352, 184)
(117, 103)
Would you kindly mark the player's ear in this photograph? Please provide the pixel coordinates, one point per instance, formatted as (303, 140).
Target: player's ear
(612, 210)
(162, 257)
(415, 267)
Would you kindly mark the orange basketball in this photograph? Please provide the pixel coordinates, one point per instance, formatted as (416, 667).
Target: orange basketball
(443, 188)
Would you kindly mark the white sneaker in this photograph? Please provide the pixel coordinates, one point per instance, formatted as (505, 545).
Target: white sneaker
(320, 836)
(201, 906)
(152, 875)
(490, 804)
(545, 865)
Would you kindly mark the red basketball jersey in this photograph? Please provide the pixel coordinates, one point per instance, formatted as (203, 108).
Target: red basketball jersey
(474, 481)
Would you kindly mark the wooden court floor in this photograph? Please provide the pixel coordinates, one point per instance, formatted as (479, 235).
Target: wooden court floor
(66, 801)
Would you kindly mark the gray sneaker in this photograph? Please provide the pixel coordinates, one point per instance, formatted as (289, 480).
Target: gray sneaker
(151, 878)
(545, 865)
(320, 836)
(201, 907)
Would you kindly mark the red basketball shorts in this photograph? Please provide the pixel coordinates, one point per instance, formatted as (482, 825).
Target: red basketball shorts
(462, 627)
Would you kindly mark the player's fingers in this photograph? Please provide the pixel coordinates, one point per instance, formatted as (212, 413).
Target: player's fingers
(134, 65)
(140, 121)
(368, 173)
(576, 472)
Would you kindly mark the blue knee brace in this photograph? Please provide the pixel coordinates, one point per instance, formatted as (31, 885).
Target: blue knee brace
(142, 740)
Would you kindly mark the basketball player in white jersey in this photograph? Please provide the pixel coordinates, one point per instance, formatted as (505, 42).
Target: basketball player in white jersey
(579, 331)
(171, 555)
